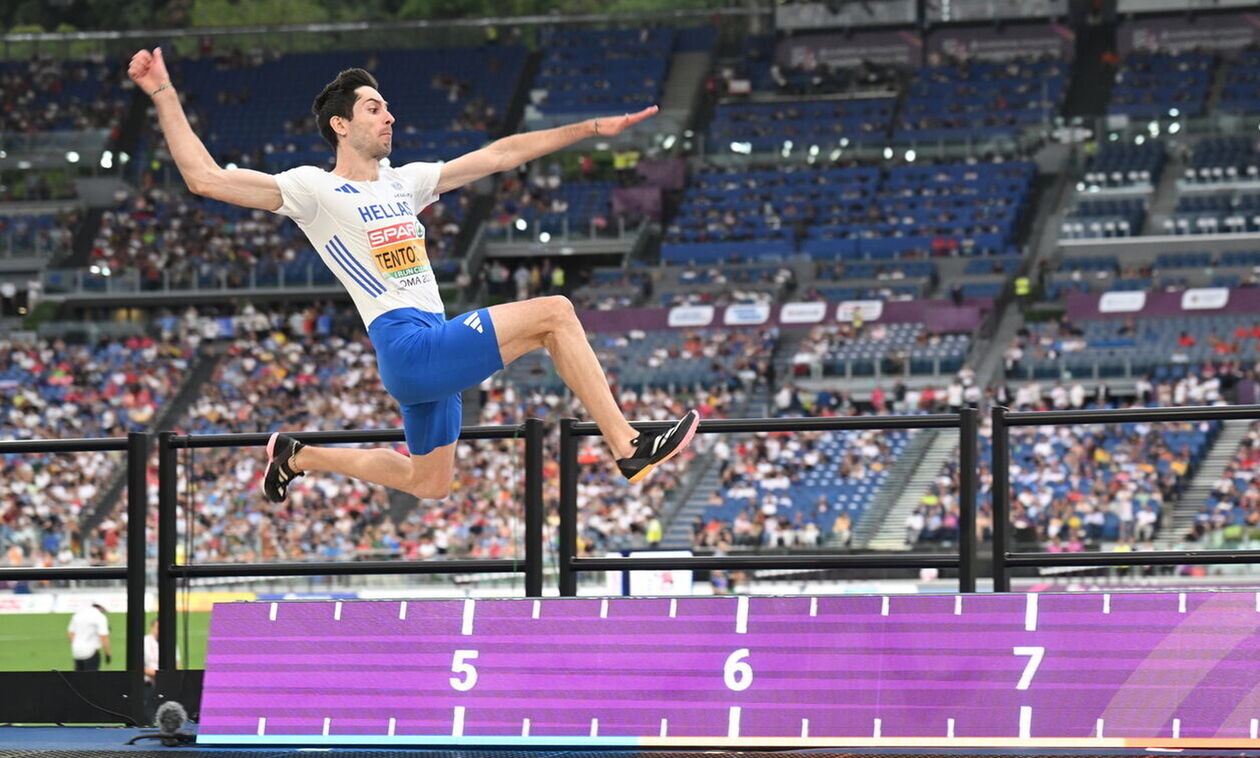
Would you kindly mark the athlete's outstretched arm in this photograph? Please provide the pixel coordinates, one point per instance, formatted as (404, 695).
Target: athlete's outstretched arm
(511, 151)
(252, 189)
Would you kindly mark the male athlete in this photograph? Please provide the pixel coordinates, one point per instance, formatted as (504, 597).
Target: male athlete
(361, 218)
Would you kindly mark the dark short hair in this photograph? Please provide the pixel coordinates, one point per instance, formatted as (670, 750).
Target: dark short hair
(338, 99)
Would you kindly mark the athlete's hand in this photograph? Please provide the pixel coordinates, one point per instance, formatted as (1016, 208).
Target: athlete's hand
(148, 70)
(606, 127)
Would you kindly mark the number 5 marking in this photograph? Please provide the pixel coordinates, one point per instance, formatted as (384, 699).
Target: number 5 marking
(460, 665)
(1035, 654)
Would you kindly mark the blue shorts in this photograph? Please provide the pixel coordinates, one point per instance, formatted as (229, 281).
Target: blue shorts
(426, 361)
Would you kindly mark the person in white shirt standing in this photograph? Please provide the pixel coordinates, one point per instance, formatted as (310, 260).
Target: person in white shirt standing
(89, 637)
(361, 219)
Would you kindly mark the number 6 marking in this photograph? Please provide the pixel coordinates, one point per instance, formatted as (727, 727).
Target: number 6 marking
(1035, 655)
(737, 674)
(460, 665)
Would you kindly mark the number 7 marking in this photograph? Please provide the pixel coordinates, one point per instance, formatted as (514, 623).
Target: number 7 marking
(1035, 654)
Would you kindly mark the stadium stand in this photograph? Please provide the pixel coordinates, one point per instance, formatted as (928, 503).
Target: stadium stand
(1155, 85)
(981, 99)
(601, 71)
(51, 389)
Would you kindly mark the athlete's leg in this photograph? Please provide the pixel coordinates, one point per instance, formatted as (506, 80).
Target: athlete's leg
(551, 323)
(425, 476)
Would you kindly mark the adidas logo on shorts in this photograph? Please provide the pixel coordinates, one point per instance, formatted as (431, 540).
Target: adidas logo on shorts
(474, 320)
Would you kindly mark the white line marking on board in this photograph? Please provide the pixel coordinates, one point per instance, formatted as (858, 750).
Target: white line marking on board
(457, 723)
(1106, 603)
(594, 727)
(537, 609)
(732, 722)
(262, 725)
(1098, 729)
(1030, 613)
(804, 727)
(1258, 602)
(392, 723)
(337, 611)
(1025, 722)
(603, 608)
(673, 608)
(469, 605)
(273, 611)
(741, 614)
(813, 606)
(327, 723)
(664, 727)
(949, 728)
(524, 727)
(1255, 728)
(402, 611)
(1181, 602)
(877, 732)
(957, 605)
(1176, 729)
(883, 606)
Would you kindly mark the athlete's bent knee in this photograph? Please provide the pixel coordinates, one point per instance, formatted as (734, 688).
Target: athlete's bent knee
(431, 491)
(560, 310)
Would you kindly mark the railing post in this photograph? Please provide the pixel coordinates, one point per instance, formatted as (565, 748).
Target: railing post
(568, 507)
(534, 431)
(168, 518)
(137, 505)
(967, 475)
(1001, 499)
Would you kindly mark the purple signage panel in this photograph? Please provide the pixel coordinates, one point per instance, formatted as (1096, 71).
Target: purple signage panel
(1101, 670)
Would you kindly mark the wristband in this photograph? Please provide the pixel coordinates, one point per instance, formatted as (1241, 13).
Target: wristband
(159, 89)
(596, 125)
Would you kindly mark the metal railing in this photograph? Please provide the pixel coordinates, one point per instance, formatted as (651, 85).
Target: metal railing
(168, 571)
(1004, 559)
(136, 446)
(570, 564)
(964, 561)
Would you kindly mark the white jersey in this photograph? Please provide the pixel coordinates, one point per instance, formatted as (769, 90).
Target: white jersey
(88, 626)
(368, 234)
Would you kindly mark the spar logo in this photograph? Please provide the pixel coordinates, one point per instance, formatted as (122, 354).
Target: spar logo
(396, 233)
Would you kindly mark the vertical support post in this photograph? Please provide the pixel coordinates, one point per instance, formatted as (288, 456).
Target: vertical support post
(1001, 499)
(568, 507)
(967, 475)
(534, 431)
(137, 506)
(168, 519)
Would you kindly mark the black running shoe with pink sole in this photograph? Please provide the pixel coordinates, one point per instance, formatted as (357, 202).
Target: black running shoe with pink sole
(651, 449)
(280, 451)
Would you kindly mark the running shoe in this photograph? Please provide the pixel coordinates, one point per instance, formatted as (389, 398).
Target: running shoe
(651, 449)
(281, 449)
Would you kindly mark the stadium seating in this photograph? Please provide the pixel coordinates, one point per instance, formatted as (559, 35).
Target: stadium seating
(849, 213)
(586, 72)
(54, 389)
(1241, 90)
(462, 102)
(1159, 85)
(981, 99)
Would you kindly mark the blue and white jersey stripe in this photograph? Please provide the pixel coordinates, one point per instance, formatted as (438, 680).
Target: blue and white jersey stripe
(336, 249)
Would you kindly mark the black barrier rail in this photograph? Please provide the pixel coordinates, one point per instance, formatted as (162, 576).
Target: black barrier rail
(136, 446)
(964, 561)
(1004, 559)
(532, 431)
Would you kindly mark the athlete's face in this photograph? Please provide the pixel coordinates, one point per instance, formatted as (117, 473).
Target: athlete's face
(371, 132)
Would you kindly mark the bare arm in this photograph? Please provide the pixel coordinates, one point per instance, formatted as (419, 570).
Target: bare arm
(251, 189)
(514, 150)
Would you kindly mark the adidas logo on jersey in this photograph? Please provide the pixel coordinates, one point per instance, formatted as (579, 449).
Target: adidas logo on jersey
(474, 321)
(348, 189)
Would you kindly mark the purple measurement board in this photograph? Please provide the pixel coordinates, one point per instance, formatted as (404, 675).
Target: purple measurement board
(1123, 669)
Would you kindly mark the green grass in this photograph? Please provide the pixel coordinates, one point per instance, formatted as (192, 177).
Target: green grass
(37, 642)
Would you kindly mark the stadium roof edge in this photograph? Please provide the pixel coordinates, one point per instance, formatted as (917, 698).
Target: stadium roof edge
(392, 25)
